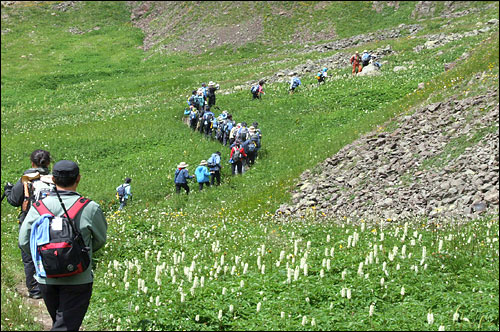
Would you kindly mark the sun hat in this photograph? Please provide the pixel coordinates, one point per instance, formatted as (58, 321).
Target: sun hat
(357, 52)
(251, 128)
(203, 162)
(182, 165)
(365, 51)
(211, 83)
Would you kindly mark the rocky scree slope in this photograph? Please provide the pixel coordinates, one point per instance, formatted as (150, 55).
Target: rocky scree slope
(419, 170)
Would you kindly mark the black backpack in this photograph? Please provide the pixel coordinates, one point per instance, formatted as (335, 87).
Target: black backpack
(66, 253)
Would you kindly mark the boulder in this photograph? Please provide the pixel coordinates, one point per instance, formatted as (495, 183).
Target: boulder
(370, 70)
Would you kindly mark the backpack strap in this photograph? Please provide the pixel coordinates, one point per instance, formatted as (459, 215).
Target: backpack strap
(77, 207)
(41, 208)
(73, 210)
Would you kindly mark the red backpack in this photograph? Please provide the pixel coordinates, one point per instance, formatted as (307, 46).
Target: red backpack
(66, 254)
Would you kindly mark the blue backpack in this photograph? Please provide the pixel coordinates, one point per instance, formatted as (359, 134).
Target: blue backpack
(252, 146)
(121, 190)
(296, 81)
(365, 57)
(228, 126)
(254, 89)
(213, 160)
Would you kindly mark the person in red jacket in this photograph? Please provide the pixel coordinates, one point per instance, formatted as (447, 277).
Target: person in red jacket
(356, 64)
(237, 156)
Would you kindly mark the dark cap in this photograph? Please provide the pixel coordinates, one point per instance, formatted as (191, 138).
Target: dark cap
(65, 168)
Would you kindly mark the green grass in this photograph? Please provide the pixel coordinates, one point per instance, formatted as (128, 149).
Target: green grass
(94, 98)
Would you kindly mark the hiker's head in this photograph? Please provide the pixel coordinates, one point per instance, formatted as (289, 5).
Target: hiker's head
(255, 124)
(365, 51)
(203, 84)
(194, 92)
(237, 142)
(357, 52)
(325, 69)
(128, 180)
(66, 173)
(243, 124)
(40, 158)
(261, 82)
(218, 152)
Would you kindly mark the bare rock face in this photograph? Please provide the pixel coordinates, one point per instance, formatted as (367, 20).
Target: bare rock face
(441, 163)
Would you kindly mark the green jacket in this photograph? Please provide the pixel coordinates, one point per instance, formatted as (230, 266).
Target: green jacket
(93, 227)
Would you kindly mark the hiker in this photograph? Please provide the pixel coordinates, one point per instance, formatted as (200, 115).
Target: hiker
(356, 64)
(202, 175)
(220, 121)
(257, 136)
(252, 146)
(214, 166)
(237, 156)
(212, 87)
(180, 178)
(66, 297)
(258, 90)
(232, 134)
(365, 58)
(294, 83)
(242, 133)
(124, 192)
(321, 75)
(374, 61)
(204, 90)
(207, 125)
(35, 184)
(191, 99)
(199, 100)
(193, 118)
(227, 126)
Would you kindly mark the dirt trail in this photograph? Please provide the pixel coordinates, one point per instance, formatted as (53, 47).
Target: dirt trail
(40, 312)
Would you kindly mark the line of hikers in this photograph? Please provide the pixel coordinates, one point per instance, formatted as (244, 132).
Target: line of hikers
(243, 140)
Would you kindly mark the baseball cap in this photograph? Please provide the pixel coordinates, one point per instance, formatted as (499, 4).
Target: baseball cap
(65, 168)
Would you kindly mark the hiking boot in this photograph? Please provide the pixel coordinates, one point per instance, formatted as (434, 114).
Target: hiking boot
(35, 296)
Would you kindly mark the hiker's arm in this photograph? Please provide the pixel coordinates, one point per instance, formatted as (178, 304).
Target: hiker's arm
(98, 228)
(25, 231)
(15, 195)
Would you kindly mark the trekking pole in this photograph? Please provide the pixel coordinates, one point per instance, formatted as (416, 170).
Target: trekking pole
(3, 196)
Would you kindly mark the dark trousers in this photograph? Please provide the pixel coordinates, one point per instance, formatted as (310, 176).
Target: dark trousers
(29, 271)
(237, 165)
(200, 184)
(178, 187)
(67, 305)
(213, 176)
(251, 158)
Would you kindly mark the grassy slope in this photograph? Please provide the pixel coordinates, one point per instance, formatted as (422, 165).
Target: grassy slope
(93, 88)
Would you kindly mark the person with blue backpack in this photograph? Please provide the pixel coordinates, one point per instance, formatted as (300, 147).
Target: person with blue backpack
(294, 83)
(180, 178)
(214, 167)
(321, 75)
(365, 58)
(258, 90)
(207, 125)
(252, 146)
(227, 126)
(124, 192)
(202, 175)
